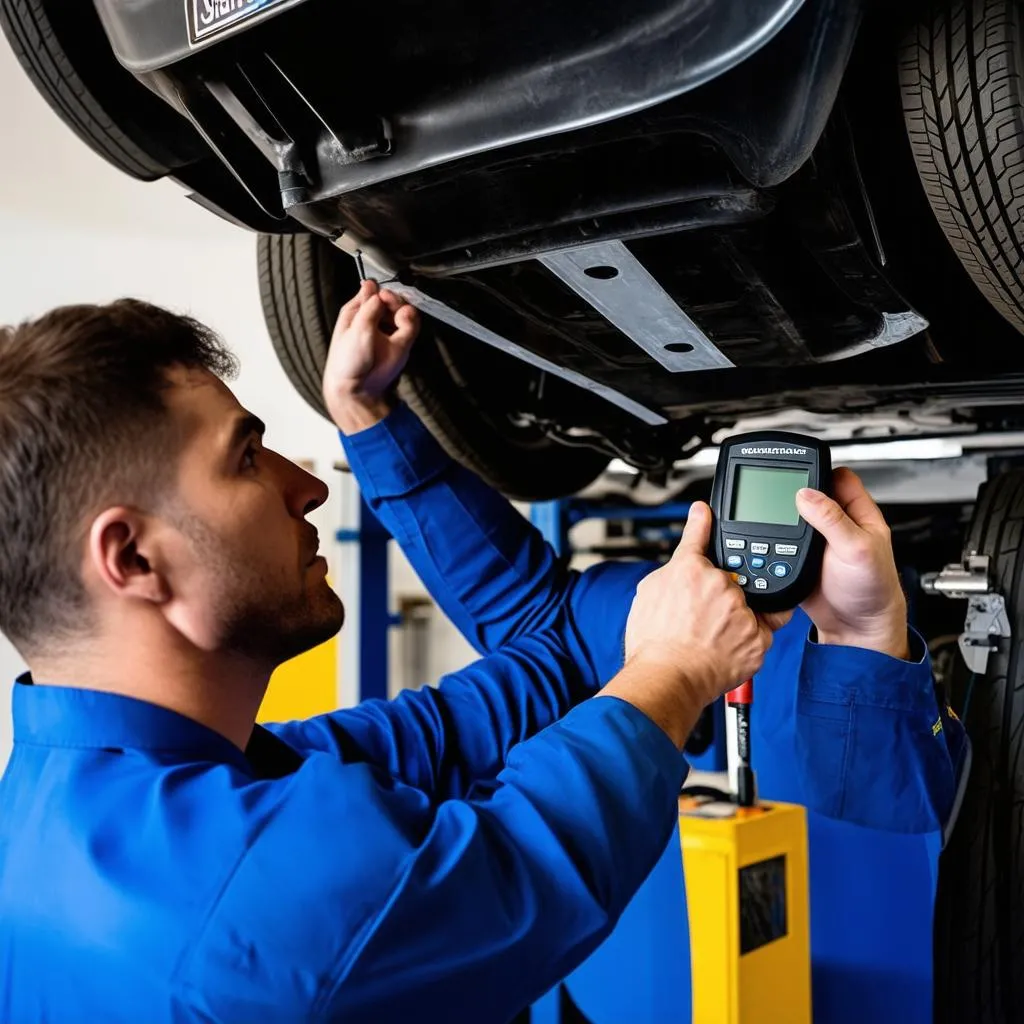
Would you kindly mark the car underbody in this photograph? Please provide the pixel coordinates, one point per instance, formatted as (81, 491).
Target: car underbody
(702, 213)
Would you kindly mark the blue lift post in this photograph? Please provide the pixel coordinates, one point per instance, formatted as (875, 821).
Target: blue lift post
(555, 519)
(375, 619)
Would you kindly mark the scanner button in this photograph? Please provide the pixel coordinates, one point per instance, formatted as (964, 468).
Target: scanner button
(734, 561)
(760, 583)
(780, 569)
(735, 543)
(759, 549)
(757, 562)
(785, 549)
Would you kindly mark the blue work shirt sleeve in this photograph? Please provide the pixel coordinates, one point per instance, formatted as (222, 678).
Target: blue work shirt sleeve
(873, 744)
(365, 901)
(443, 739)
(487, 567)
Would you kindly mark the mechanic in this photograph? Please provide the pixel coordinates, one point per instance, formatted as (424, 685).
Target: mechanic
(846, 720)
(164, 859)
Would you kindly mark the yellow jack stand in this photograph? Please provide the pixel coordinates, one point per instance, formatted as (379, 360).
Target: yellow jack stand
(747, 892)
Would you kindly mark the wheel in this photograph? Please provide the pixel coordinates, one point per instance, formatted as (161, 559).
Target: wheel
(466, 393)
(979, 910)
(63, 49)
(963, 100)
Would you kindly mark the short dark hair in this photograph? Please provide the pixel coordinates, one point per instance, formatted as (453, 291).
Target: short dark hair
(83, 425)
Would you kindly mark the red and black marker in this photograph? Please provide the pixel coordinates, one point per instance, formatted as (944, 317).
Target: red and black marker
(741, 698)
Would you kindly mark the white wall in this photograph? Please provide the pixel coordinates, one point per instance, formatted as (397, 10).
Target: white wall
(73, 229)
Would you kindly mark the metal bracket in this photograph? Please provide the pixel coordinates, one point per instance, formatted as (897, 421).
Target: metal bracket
(619, 286)
(986, 619)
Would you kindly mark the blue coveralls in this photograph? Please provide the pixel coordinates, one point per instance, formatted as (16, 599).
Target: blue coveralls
(447, 856)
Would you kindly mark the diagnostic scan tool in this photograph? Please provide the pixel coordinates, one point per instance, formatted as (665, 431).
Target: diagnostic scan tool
(758, 535)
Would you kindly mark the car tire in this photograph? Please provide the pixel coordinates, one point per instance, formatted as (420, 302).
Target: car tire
(62, 47)
(463, 391)
(962, 81)
(979, 909)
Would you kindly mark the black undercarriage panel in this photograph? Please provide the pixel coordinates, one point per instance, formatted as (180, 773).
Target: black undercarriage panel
(770, 204)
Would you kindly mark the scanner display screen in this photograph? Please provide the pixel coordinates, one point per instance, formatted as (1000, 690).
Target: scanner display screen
(767, 495)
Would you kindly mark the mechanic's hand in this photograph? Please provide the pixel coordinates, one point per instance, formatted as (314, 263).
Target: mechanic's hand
(693, 617)
(859, 602)
(371, 344)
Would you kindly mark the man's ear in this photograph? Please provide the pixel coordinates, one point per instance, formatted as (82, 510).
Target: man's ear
(121, 553)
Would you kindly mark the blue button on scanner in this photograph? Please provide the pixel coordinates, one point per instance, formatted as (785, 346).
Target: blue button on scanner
(734, 561)
(756, 562)
(781, 569)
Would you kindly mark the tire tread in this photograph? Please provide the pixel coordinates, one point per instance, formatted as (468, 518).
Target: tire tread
(979, 914)
(47, 64)
(960, 77)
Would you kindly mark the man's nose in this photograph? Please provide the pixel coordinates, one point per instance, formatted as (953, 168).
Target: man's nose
(305, 492)
(318, 495)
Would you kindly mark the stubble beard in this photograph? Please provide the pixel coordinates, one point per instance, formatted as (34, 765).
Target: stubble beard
(259, 621)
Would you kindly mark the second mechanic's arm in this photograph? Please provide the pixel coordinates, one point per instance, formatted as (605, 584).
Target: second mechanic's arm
(873, 746)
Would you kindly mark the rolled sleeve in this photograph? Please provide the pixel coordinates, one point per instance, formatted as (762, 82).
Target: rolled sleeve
(872, 744)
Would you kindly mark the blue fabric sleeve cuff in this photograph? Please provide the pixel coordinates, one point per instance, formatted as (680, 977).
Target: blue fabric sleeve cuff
(628, 720)
(394, 456)
(833, 674)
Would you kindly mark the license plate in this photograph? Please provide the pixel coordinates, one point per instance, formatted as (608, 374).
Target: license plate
(208, 17)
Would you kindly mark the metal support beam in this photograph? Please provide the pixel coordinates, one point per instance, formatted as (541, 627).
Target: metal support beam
(375, 264)
(620, 287)
(550, 519)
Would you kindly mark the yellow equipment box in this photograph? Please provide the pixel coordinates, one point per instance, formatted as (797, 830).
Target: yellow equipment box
(746, 889)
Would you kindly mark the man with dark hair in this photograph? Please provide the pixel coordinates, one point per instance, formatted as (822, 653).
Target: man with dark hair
(446, 856)
(81, 391)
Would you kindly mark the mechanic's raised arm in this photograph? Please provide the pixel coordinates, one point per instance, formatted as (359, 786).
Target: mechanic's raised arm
(874, 745)
(442, 740)
(488, 568)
